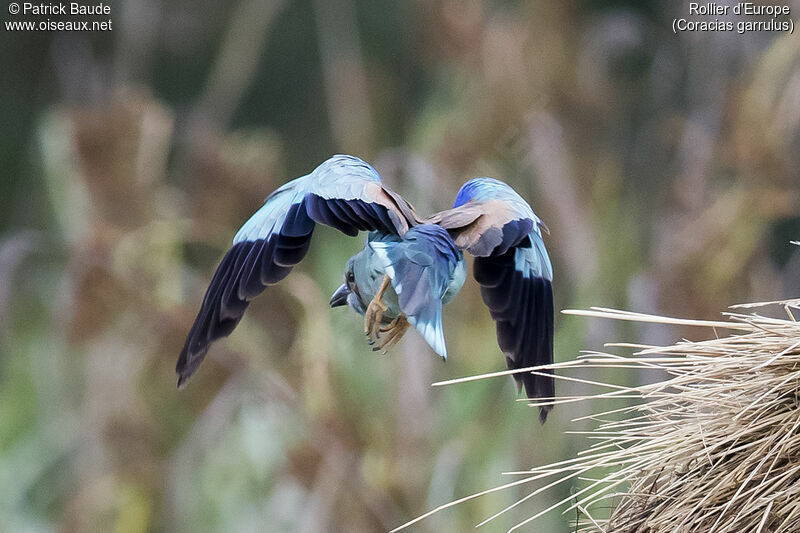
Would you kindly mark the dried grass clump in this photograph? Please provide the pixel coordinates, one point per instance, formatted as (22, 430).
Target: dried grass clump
(713, 447)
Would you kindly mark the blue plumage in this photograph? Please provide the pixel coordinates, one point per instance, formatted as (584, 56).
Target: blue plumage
(343, 192)
(426, 270)
(409, 267)
(514, 271)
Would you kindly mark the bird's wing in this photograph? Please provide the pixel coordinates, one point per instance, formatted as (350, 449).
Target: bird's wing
(343, 192)
(492, 222)
(421, 267)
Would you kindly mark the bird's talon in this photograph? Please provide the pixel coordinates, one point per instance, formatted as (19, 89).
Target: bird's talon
(375, 310)
(393, 332)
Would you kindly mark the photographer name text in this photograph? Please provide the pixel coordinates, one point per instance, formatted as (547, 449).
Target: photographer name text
(55, 16)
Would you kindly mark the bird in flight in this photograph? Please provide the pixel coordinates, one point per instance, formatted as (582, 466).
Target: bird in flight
(409, 267)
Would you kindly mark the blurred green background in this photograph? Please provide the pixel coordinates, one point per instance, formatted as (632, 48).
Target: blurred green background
(666, 167)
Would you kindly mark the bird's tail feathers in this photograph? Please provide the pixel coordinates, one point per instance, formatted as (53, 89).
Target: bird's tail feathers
(429, 325)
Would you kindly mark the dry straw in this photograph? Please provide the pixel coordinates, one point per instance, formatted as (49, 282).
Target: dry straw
(714, 446)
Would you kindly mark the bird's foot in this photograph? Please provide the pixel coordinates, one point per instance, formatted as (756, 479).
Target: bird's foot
(394, 332)
(373, 317)
(375, 310)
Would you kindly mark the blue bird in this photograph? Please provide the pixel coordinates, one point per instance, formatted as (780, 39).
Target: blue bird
(408, 269)
(397, 282)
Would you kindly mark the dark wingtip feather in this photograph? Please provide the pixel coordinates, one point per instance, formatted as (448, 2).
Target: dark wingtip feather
(522, 306)
(244, 272)
(222, 306)
(538, 387)
(182, 378)
(188, 362)
(206, 329)
(543, 412)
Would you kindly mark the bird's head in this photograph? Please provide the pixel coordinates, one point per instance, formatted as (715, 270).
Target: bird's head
(347, 293)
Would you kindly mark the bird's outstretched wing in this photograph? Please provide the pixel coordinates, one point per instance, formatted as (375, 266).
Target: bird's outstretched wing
(421, 267)
(493, 223)
(343, 192)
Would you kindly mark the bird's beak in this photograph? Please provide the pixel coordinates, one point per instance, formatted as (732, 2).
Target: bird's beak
(340, 296)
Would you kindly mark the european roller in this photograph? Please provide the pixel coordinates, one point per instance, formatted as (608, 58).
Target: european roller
(408, 269)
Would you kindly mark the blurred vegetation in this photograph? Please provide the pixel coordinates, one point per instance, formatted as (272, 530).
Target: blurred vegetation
(665, 166)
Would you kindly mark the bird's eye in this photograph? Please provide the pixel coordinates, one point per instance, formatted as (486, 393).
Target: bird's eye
(350, 277)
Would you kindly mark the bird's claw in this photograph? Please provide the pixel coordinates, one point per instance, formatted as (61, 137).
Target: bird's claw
(394, 331)
(373, 317)
(375, 310)
(373, 320)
